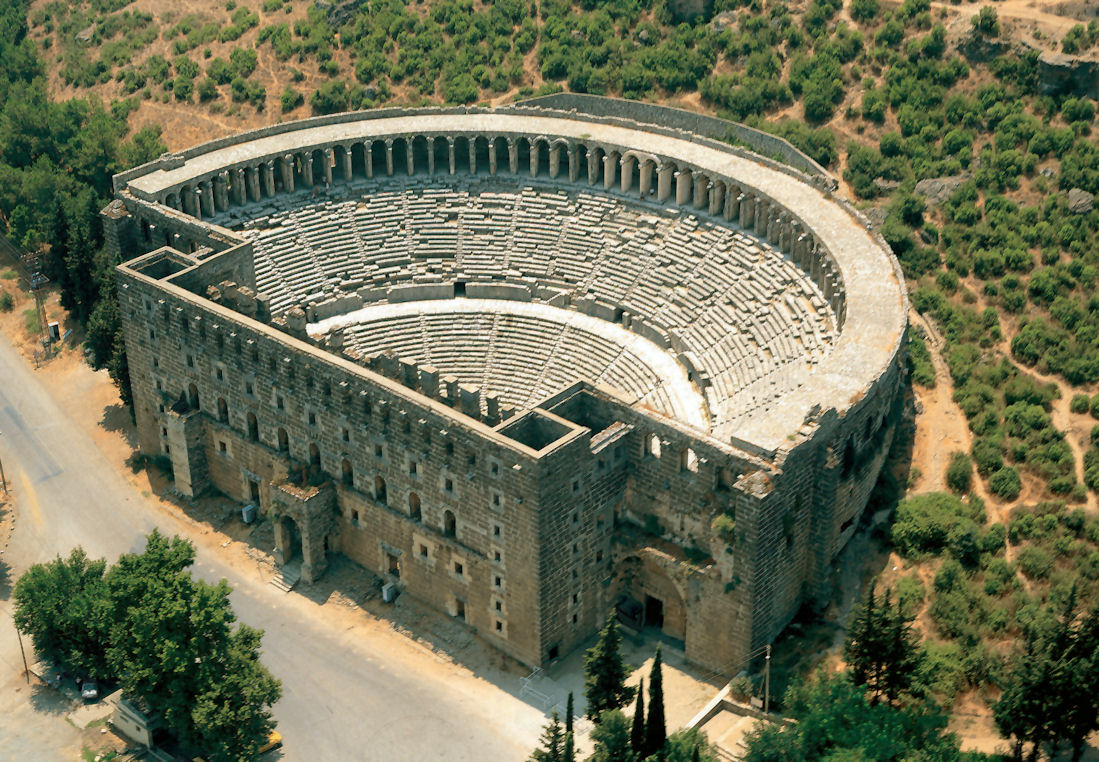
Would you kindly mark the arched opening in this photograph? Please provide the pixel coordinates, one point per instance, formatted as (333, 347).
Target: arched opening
(650, 598)
(253, 427)
(348, 473)
(414, 511)
(379, 489)
(688, 461)
(652, 445)
(284, 440)
(848, 464)
(450, 526)
(422, 146)
(288, 539)
(440, 148)
(192, 396)
(320, 161)
(461, 154)
(314, 455)
(223, 410)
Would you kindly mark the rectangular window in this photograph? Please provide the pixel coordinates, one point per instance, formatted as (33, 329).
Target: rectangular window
(346, 435)
(220, 374)
(460, 609)
(423, 551)
(496, 530)
(411, 468)
(249, 388)
(498, 581)
(221, 448)
(190, 361)
(448, 484)
(497, 556)
(354, 517)
(499, 626)
(312, 419)
(499, 606)
(458, 569)
(280, 403)
(378, 451)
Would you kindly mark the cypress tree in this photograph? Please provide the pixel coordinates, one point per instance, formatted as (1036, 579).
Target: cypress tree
(637, 730)
(569, 754)
(656, 734)
(550, 749)
(604, 673)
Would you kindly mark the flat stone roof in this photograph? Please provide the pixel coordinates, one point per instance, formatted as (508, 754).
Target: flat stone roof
(875, 296)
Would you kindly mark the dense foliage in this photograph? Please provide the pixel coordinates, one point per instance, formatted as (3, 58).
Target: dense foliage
(168, 639)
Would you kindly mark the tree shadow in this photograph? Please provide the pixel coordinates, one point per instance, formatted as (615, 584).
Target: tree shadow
(47, 700)
(117, 417)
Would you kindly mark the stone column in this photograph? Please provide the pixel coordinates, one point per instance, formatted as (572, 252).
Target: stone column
(368, 158)
(220, 185)
(513, 156)
(534, 157)
(610, 167)
(717, 197)
(431, 156)
(207, 197)
(646, 181)
(628, 163)
(288, 173)
(347, 171)
(747, 210)
(664, 175)
(683, 187)
(450, 153)
(408, 158)
(471, 143)
(389, 157)
(759, 224)
(329, 161)
(307, 168)
(240, 186)
(593, 167)
(492, 156)
(732, 202)
(555, 160)
(574, 163)
(701, 195)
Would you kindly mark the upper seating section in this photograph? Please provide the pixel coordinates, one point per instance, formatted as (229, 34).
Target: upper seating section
(735, 303)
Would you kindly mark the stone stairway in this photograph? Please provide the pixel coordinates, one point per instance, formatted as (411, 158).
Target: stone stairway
(287, 577)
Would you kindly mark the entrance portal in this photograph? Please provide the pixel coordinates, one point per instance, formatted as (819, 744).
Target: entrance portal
(654, 612)
(291, 540)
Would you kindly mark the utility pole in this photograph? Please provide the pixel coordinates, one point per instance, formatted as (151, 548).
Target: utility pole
(767, 681)
(3, 481)
(26, 670)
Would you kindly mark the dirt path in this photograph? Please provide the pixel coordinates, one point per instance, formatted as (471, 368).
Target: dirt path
(941, 427)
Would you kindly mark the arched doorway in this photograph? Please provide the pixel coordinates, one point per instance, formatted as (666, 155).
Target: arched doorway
(650, 591)
(288, 540)
(192, 396)
(314, 455)
(414, 511)
(284, 440)
(450, 526)
(379, 489)
(253, 427)
(348, 473)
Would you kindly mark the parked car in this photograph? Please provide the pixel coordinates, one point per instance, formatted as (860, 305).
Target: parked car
(89, 691)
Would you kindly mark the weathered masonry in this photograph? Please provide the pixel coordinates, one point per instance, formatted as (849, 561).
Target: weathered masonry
(528, 364)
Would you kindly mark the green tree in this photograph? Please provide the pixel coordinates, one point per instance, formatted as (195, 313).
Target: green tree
(551, 748)
(174, 647)
(959, 473)
(881, 648)
(604, 672)
(637, 728)
(569, 754)
(611, 737)
(835, 721)
(656, 732)
(61, 605)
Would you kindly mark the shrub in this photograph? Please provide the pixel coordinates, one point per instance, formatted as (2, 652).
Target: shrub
(291, 99)
(1080, 403)
(1006, 483)
(7, 303)
(1035, 562)
(959, 474)
(910, 595)
(925, 523)
(724, 526)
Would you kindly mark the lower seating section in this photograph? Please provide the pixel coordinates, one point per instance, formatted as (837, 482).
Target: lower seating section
(741, 308)
(521, 358)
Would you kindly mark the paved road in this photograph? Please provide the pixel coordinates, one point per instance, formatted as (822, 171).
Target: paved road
(346, 696)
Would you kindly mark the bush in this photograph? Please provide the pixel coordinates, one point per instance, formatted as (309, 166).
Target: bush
(7, 303)
(291, 99)
(724, 526)
(1035, 562)
(1005, 483)
(925, 523)
(1080, 403)
(910, 596)
(959, 474)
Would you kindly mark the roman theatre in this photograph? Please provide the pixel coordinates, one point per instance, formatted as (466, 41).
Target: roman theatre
(527, 364)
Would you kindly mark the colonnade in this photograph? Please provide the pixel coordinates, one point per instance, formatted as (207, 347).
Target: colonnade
(629, 172)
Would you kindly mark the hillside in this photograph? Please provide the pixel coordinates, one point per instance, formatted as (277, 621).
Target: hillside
(965, 131)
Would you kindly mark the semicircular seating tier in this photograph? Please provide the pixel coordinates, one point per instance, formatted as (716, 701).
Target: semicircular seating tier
(746, 315)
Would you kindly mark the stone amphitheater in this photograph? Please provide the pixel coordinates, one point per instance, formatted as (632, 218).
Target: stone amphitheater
(528, 364)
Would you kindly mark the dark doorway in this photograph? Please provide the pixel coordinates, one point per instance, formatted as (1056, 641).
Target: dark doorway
(459, 288)
(394, 565)
(292, 538)
(253, 490)
(654, 612)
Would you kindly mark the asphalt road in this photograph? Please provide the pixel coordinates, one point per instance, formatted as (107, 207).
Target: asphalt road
(346, 696)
